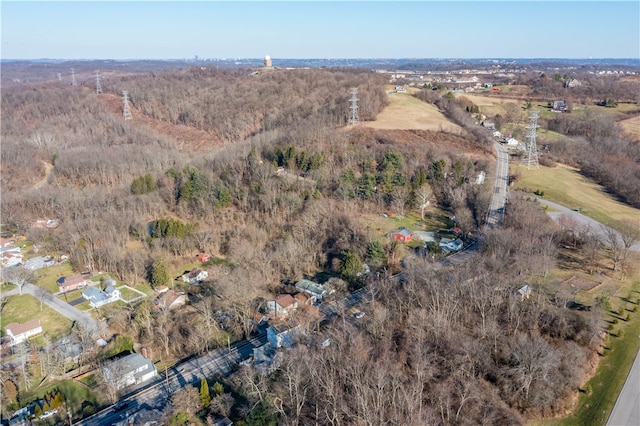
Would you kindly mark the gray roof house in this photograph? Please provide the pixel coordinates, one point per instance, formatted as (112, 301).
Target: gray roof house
(130, 370)
(97, 297)
(39, 262)
(312, 288)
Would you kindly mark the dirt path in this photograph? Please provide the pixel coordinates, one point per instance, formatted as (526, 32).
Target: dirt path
(48, 168)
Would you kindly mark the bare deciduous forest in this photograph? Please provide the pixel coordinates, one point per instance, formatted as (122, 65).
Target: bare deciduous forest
(273, 185)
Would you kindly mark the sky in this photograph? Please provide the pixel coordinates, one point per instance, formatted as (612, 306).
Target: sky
(322, 29)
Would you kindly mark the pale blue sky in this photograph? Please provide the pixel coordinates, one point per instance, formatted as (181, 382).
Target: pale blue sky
(338, 29)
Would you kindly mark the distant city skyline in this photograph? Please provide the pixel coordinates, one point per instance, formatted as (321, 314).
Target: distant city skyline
(329, 29)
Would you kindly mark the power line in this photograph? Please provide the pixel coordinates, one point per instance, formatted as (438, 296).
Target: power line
(98, 85)
(353, 118)
(126, 111)
(531, 156)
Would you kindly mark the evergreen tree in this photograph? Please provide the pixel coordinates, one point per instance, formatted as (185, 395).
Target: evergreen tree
(205, 397)
(352, 265)
(159, 273)
(218, 389)
(376, 256)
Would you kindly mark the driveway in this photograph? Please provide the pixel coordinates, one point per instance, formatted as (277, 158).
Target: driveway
(60, 306)
(595, 227)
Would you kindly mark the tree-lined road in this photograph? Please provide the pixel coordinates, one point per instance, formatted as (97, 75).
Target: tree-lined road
(499, 195)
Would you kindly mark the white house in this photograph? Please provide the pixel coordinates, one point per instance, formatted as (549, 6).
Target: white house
(11, 258)
(130, 370)
(511, 141)
(480, 178)
(195, 276)
(283, 305)
(21, 332)
(97, 297)
(282, 335)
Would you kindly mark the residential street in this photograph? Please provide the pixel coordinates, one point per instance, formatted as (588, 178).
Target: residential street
(60, 306)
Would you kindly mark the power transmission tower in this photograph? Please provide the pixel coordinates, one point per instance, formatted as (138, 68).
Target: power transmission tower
(74, 83)
(98, 85)
(126, 112)
(531, 156)
(59, 77)
(353, 118)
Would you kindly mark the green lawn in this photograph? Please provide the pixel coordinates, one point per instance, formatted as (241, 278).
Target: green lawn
(566, 186)
(77, 397)
(612, 371)
(23, 308)
(47, 277)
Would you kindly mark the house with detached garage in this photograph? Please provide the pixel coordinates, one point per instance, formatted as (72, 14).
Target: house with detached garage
(97, 297)
(21, 332)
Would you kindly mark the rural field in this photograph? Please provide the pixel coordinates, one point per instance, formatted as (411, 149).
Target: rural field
(632, 126)
(406, 112)
(565, 185)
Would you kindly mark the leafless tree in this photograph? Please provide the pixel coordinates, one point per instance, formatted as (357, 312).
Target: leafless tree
(424, 195)
(17, 276)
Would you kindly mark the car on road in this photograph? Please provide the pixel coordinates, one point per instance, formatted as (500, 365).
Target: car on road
(358, 314)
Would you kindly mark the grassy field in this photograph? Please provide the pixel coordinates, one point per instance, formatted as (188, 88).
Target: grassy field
(406, 112)
(632, 126)
(46, 277)
(566, 186)
(612, 371)
(23, 308)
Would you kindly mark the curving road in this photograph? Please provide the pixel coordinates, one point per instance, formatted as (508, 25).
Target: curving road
(594, 227)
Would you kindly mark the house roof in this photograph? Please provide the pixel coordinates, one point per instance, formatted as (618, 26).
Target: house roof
(285, 300)
(37, 262)
(92, 293)
(302, 298)
(310, 286)
(524, 290)
(162, 288)
(72, 280)
(17, 328)
(169, 297)
(194, 273)
(130, 363)
(404, 232)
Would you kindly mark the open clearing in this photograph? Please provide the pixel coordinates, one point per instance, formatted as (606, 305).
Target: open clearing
(406, 112)
(565, 185)
(632, 126)
(23, 308)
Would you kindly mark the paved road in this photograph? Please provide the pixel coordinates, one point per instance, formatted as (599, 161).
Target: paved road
(593, 226)
(60, 306)
(156, 394)
(626, 412)
(499, 195)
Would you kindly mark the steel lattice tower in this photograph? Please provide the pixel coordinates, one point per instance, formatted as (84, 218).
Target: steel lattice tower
(353, 117)
(531, 156)
(74, 83)
(59, 77)
(98, 85)
(126, 112)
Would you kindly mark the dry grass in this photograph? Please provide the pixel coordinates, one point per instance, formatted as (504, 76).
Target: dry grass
(406, 112)
(566, 186)
(632, 126)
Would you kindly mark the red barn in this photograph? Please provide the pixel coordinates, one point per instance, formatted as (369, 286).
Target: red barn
(203, 257)
(403, 235)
